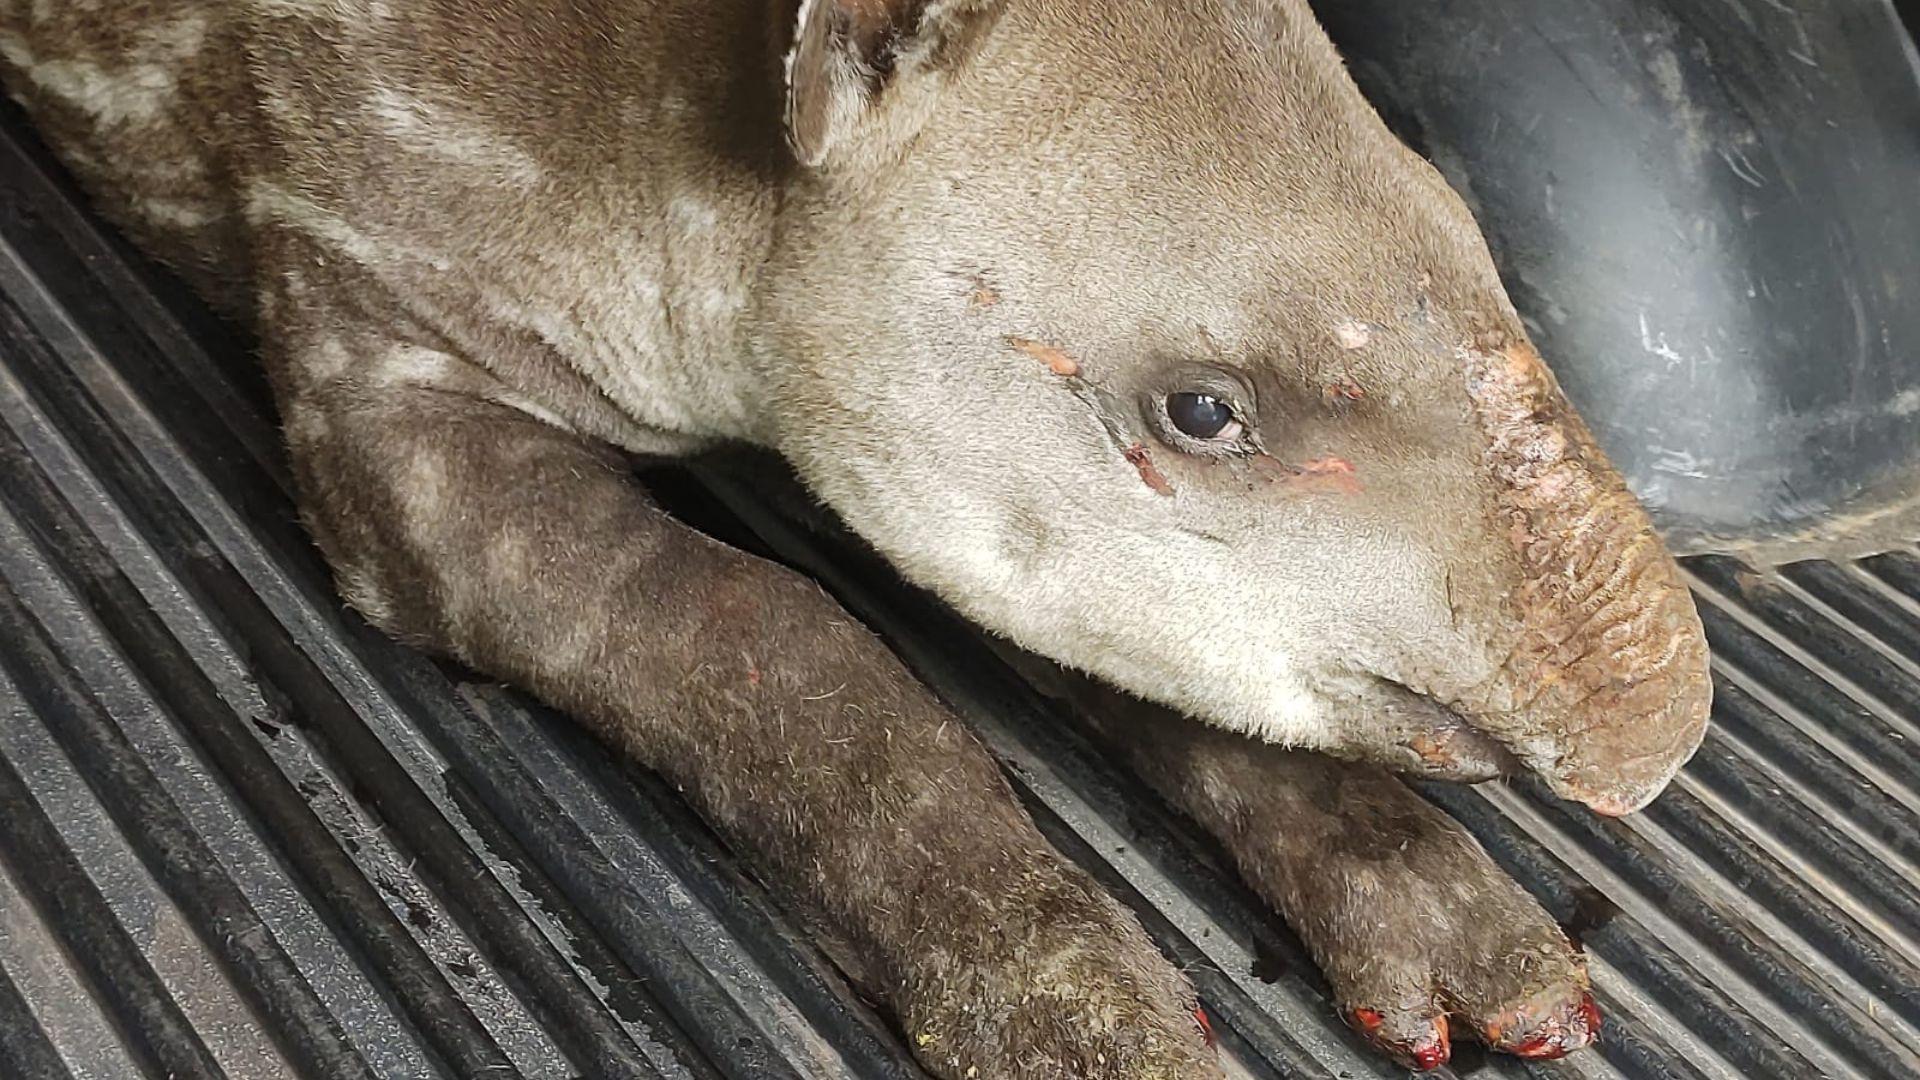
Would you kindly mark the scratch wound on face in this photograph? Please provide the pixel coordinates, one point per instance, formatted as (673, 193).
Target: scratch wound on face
(1056, 360)
(1345, 391)
(1335, 475)
(1150, 474)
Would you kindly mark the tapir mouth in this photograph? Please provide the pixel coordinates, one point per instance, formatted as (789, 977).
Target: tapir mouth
(1452, 747)
(1441, 743)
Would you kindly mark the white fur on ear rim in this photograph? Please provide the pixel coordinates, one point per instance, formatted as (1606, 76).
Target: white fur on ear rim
(827, 88)
(848, 53)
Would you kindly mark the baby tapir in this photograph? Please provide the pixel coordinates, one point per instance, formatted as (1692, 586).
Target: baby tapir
(1125, 327)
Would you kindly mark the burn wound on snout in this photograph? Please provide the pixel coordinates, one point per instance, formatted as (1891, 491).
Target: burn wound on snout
(1150, 474)
(1555, 484)
(1591, 563)
(1055, 358)
(1335, 475)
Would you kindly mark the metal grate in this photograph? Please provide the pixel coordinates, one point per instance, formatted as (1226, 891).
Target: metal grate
(241, 835)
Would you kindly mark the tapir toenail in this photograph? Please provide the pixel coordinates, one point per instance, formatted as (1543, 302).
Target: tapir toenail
(1559, 1036)
(1425, 1054)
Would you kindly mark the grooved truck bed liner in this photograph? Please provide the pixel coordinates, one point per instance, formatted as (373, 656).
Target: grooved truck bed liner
(242, 835)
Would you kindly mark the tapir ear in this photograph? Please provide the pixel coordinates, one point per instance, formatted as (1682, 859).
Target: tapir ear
(850, 56)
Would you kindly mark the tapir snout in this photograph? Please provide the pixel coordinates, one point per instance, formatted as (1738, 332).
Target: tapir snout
(1585, 661)
(1605, 688)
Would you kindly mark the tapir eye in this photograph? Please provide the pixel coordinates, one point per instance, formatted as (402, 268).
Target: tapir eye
(1202, 416)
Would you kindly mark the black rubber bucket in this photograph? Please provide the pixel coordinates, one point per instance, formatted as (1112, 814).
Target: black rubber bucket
(1709, 213)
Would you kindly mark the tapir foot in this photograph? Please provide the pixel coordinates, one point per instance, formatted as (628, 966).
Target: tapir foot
(1423, 937)
(1512, 982)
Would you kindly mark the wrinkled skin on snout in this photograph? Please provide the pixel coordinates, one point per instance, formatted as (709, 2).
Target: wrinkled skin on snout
(1404, 547)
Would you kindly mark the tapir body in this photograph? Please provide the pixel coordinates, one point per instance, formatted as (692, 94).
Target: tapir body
(1125, 328)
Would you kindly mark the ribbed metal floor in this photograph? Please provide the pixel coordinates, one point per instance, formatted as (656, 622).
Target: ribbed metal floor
(243, 836)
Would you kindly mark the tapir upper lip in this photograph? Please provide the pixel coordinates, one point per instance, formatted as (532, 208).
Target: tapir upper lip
(1454, 747)
(1461, 739)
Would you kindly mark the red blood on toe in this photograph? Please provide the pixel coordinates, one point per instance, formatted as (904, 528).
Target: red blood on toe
(1206, 1026)
(1424, 1056)
(1431, 1057)
(1591, 1014)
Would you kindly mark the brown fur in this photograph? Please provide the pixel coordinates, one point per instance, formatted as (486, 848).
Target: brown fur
(489, 245)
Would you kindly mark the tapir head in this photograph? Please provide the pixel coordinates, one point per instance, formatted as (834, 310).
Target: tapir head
(1128, 329)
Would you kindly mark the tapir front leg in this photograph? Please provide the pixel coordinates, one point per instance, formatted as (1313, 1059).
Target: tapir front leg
(1407, 915)
(472, 528)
